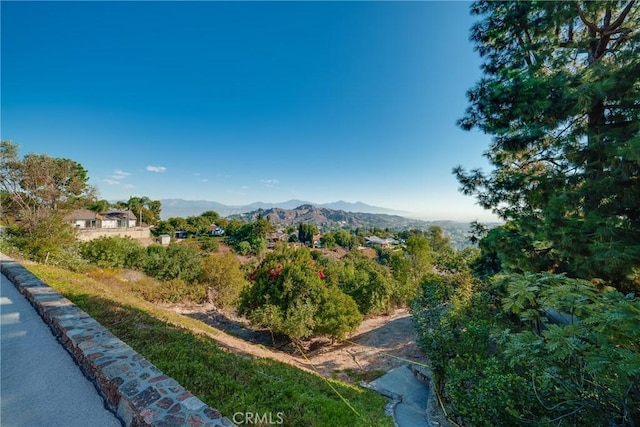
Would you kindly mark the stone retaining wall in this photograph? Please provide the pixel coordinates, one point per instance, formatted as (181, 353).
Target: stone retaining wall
(135, 390)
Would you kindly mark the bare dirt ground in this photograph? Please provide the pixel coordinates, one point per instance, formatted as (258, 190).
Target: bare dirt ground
(380, 344)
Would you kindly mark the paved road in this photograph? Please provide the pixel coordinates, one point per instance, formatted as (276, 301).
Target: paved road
(40, 385)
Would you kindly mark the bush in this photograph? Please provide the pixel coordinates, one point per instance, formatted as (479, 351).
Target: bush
(485, 392)
(208, 244)
(289, 295)
(338, 314)
(224, 278)
(369, 284)
(49, 241)
(243, 248)
(114, 252)
(173, 262)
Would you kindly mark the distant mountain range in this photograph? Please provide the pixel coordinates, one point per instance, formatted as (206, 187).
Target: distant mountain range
(185, 208)
(331, 219)
(326, 217)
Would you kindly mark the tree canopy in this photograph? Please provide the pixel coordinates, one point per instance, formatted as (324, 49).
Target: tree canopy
(543, 334)
(36, 185)
(561, 96)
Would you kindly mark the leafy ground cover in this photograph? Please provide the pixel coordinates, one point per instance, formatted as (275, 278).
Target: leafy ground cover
(228, 382)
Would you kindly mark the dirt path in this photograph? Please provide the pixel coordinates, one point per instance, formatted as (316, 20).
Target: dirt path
(379, 345)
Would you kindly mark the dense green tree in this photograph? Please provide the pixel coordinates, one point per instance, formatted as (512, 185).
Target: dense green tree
(420, 257)
(370, 284)
(560, 95)
(37, 185)
(254, 234)
(586, 371)
(99, 206)
(289, 295)
(145, 209)
(338, 314)
(405, 234)
(344, 239)
(36, 192)
(214, 218)
(328, 240)
(437, 239)
(164, 227)
(306, 233)
(178, 223)
(198, 224)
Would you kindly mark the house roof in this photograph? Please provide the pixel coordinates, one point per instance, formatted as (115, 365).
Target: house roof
(86, 214)
(118, 214)
(378, 241)
(81, 214)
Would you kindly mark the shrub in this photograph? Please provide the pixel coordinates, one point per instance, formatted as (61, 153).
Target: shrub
(243, 248)
(173, 262)
(289, 295)
(338, 314)
(369, 284)
(224, 278)
(171, 291)
(113, 252)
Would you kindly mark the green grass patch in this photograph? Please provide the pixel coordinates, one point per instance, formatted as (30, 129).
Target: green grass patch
(225, 381)
(364, 375)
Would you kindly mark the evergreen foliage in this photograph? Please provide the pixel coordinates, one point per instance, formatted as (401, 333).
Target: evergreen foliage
(306, 233)
(560, 95)
(543, 334)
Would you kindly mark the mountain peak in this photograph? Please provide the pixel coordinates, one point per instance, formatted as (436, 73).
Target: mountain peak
(185, 208)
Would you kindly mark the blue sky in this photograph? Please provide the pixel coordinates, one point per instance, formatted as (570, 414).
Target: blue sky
(238, 102)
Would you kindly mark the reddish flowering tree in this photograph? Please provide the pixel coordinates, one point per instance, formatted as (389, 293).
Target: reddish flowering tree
(289, 296)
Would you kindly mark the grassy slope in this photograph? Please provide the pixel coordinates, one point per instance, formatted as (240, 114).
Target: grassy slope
(225, 381)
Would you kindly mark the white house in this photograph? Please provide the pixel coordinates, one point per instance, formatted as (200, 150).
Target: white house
(91, 225)
(84, 218)
(375, 240)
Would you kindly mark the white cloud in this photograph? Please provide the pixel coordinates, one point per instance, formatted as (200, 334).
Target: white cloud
(118, 174)
(111, 181)
(156, 168)
(270, 181)
(128, 186)
(204, 180)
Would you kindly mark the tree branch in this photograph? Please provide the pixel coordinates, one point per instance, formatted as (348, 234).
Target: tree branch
(607, 18)
(622, 17)
(590, 25)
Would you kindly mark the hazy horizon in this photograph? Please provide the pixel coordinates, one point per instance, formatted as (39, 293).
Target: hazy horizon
(391, 210)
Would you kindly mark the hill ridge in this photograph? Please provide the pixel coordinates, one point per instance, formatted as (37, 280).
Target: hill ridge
(184, 208)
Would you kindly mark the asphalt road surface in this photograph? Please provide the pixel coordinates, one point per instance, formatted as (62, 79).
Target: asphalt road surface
(40, 384)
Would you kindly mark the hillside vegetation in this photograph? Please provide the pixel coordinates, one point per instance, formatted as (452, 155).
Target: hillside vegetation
(182, 348)
(327, 219)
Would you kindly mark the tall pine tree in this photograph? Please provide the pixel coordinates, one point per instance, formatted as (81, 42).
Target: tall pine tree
(561, 96)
